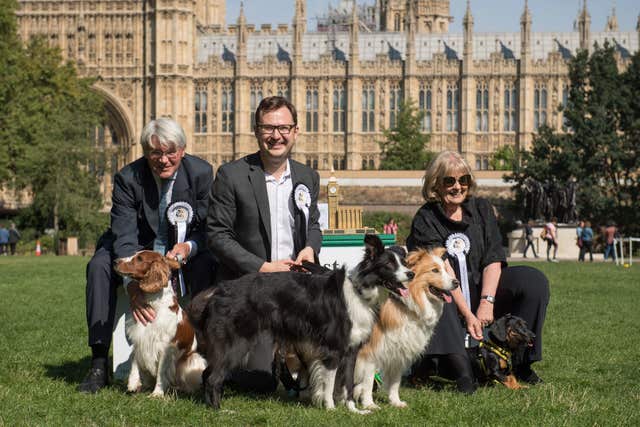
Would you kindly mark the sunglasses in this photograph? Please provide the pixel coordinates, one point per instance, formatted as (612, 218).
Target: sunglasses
(450, 181)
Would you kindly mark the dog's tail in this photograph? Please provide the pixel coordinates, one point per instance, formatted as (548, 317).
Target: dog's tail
(198, 308)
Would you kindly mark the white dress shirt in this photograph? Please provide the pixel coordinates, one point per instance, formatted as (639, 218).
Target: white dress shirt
(281, 213)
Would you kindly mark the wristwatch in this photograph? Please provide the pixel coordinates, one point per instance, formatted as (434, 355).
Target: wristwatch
(489, 298)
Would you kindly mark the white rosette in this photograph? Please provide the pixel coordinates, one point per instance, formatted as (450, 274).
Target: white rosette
(180, 215)
(458, 245)
(302, 199)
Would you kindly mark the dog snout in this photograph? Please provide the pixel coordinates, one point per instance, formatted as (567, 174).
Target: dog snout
(455, 283)
(410, 274)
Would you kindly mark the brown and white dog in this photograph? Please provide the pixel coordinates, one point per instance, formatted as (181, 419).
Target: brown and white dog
(404, 328)
(164, 351)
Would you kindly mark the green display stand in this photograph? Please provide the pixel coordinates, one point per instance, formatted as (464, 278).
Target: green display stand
(332, 240)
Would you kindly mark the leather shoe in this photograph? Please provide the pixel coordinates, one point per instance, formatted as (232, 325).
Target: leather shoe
(96, 379)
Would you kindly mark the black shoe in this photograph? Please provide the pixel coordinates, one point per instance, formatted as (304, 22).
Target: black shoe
(528, 375)
(96, 379)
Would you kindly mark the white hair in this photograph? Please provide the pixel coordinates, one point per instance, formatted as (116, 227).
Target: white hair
(168, 132)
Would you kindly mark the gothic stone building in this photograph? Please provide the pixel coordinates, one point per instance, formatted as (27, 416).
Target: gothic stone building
(177, 58)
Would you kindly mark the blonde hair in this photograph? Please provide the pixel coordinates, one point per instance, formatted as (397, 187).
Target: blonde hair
(447, 163)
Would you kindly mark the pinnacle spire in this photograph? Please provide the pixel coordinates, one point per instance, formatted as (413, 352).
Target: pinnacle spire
(468, 17)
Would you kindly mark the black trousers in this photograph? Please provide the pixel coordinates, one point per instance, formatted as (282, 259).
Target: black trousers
(526, 248)
(102, 282)
(587, 245)
(522, 291)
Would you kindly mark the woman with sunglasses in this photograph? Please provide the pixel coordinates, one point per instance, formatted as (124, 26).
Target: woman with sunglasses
(466, 226)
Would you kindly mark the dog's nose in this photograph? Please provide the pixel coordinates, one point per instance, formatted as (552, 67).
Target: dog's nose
(410, 274)
(455, 283)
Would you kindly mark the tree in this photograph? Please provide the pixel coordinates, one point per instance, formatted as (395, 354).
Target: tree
(503, 159)
(405, 146)
(47, 117)
(600, 151)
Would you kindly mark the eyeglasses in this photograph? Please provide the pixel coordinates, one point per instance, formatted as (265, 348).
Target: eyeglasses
(158, 154)
(450, 181)
(269, 129)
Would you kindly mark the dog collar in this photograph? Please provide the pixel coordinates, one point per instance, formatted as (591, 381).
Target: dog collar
(497, 350)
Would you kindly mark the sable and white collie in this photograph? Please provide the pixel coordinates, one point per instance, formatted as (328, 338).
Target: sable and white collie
(325, 317)
(164, 351)
(404, 328)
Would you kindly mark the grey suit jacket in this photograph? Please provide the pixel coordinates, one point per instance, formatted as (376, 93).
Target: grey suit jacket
(134, 211)
(238, 222)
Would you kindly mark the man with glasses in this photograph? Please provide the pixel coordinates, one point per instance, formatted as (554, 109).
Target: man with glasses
(165, 179)
(263, 215)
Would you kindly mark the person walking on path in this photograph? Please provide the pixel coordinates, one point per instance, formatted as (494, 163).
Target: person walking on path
(586, 236)
(4, 240)
(528, 239)
(551, 236)
(14, 237)
(610, 234)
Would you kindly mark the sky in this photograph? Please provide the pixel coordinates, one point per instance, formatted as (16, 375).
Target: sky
(489, 15)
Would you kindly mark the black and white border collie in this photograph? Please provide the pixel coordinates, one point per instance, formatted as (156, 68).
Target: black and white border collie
(325, 317)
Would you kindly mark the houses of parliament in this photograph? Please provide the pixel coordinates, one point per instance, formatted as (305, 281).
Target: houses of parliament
(347, 77)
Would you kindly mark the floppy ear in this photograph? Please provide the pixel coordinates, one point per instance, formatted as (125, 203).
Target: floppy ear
(499, 329)
(373, 246)
(172, 263)
(156, 278)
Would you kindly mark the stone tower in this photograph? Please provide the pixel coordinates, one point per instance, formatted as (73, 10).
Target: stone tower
(431, 16)
(210, 13)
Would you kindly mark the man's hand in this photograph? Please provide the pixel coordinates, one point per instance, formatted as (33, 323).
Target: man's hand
(307, 254)
(141, 312)
(182, 249)
(281, 265)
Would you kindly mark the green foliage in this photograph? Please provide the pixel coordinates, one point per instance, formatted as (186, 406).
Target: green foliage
(590, 378)
(503, 159)
(405, 146)
(600, 151)
(378, 219)
(47, 115)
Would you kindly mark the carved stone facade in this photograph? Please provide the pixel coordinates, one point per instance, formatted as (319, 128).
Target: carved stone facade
(177, 58)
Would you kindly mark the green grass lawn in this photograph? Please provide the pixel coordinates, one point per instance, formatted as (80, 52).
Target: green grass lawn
(591, 363)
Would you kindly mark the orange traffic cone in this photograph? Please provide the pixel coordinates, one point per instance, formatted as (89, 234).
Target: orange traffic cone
(38, 248)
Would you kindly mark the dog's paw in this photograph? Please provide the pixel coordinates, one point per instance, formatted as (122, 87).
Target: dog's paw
(157, 394)
(351, 406)
(399, 404)
(134, 387)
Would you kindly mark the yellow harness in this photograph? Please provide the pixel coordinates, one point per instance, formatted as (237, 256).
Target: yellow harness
(498, 351)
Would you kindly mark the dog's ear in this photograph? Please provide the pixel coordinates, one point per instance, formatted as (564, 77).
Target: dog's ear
(414, 257)
(172, 263)
(439, 252)
(373, 246)
(499, 329)
(398, 250)
(156, 278)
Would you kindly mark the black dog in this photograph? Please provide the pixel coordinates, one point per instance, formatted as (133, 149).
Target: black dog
(503, 347)
(325, 317)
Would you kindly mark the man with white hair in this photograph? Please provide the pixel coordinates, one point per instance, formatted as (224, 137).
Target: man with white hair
(159, 202)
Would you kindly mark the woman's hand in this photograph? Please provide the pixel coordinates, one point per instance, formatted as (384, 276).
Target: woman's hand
(474, 326)
(485, 312)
